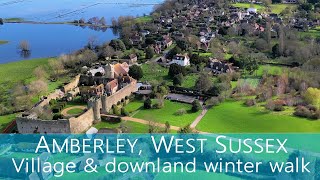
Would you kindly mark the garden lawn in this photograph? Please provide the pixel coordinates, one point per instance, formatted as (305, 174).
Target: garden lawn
(190, 80)
(234, 117)
(253, 82)
(133, 126)
(75, 102)
(167, 113)
(75, 111)
(5, 120)
(273, 70)
(153, 72)
(134, 106)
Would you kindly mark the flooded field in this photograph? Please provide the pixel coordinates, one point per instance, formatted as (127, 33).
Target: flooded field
(53, 40)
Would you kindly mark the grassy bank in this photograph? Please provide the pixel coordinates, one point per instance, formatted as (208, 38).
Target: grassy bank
(3, 42)
(234, 117)
(5, 120)
(14, 19)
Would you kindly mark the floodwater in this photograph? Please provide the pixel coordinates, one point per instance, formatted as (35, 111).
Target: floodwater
(48, 40)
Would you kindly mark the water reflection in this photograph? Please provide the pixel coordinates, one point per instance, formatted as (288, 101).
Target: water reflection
(25, 54)
(48, 40)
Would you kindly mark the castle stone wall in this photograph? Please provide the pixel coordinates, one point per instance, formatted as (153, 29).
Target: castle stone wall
(73, 84)
(83, 122)
(108, 101)
(29, 125)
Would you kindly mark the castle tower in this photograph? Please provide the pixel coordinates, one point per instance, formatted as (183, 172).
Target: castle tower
(104, 103)
(94, 103)
(109, 71)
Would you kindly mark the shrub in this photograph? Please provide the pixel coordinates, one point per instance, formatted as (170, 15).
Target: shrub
(158, 105)
(196, 106)
(52, 102)
(270, 105)
(116, 110)
(214, 101)
(56, 109)
(57, 116)
(221, 98)
(147, 104)
(124, 112)
(235, 76)
(307, 112)
(278, 107)
(302, 111)
(181, 112)
(250, 102)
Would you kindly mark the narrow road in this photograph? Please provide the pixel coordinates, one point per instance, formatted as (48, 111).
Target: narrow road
(198, 119)
(163, 55)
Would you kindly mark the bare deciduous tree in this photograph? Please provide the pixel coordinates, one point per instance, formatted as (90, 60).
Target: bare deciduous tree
(24, 46)
(40, 73)
(56, 66)
(38, 87)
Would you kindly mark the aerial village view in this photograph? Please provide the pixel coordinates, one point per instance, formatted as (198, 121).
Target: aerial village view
(179, 66)
(148, 67)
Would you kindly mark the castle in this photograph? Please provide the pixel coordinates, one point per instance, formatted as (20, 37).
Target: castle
(102, 87)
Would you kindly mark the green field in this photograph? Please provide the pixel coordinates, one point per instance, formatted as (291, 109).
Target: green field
(143, 19)
(315, 33)
(272, 70)
(248, 5)
(234, 117)
(278, 8)
(253, 82)
(20, 71)
(166, 114)
(5, 120)
(275, 8)
(133, 126)
(3, 42)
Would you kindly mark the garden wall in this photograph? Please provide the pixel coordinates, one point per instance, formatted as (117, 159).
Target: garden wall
(82, 123)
